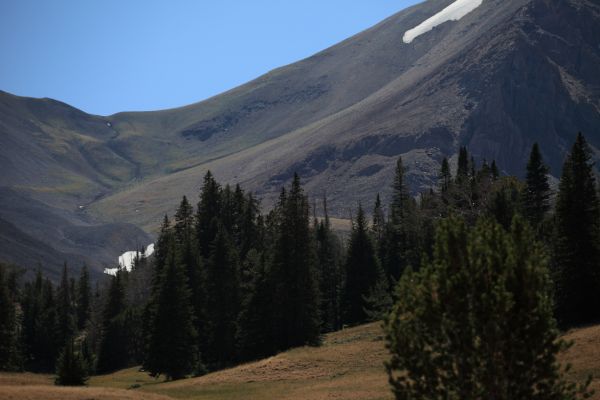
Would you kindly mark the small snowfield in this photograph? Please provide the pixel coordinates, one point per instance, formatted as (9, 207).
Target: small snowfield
(453, 12)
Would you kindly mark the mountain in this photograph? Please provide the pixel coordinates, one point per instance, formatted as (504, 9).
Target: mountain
(498, 79)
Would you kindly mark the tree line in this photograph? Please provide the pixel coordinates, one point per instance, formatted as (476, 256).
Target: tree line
(228, 284)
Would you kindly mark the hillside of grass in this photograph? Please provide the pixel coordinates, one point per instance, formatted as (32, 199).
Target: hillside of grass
(349, 365)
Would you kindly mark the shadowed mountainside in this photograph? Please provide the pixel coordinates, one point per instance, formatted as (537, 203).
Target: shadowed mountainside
(504, 76)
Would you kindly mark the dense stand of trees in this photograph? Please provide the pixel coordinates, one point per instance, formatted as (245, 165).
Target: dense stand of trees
(227, 284)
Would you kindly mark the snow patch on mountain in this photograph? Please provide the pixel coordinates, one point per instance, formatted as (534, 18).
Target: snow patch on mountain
(453, 12)
(127, 259)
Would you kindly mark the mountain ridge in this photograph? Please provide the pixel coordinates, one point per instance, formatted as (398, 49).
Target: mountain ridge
(505, 75)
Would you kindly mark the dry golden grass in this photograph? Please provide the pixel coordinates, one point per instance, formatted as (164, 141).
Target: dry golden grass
(584, 356)
(349, 365)
(41, 392)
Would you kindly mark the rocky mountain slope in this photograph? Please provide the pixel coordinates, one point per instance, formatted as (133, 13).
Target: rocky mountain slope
(505, 75)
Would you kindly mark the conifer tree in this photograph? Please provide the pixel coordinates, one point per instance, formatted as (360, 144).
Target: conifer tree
(172, 344)
(257, 325)
(65, 311)
(84, 294)
(184, 222)
(113, 353)
(47, 342)
(249, 227)
(71, 368)
(536, 196)
(363, 272)
(161, 248)
(476, 322)
(9, 352)
(161, 253)
(209, 207)
(296, 296)
(401, 201)
(329, 274)
(494, 170)
(187, 254)
(401, 236)
(577, 242)
(505, 200)
(462, 173)
(222, 277)
(378, 226)
(445, 176)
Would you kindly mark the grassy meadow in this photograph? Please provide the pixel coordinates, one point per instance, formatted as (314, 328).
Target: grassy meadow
(349, 365)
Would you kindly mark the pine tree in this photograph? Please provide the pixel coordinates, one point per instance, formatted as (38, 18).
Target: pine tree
(184, 222)
(45, 341)
(577, 242)
(9, 352)
(71, 368)
(378, 226)
(65, 309)
(249, 228)
(494, 170)
(296, 296)
(209, 207)
(172, 344)
(257, 325)
(187, 254)
(536, 196)
(445, 176)
(363, 272)
(476, 322)
(505, 200)
(401, 206)
(84, 294)
(462, 173)
(113, 353)
(222, 277)
(328, 266)
(161, 248)
(401, 240)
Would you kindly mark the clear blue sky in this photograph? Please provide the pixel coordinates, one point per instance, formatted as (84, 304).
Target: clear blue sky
(106, 56)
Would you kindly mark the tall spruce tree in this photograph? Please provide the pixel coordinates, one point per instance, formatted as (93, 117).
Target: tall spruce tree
(363, 272)
(257, 325)
(328, 266)
(476, 322)
(222, 277)
(172, 343)
(296, 297)
(401, 236)
(187, 253)
(536, 196)
(42, 342)
(445, 176)
(113, 353)
(577, 242)
(9, 350)
(462, 172)
(71, 368)
(378, 225)
(209, 207)
(84, 295)
(162, 248)
(65, 310)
